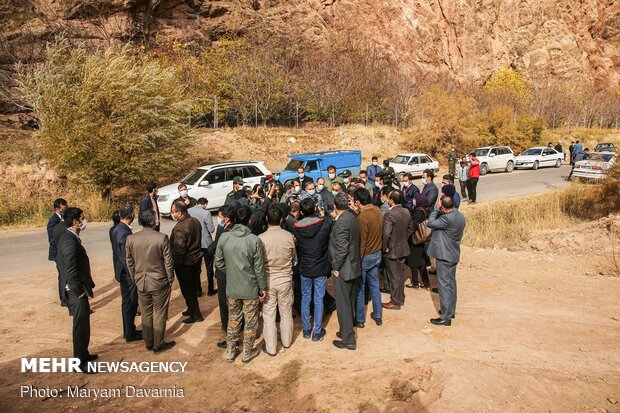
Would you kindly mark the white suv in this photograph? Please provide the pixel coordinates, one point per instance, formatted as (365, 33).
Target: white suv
(495, 158)
(213, 182)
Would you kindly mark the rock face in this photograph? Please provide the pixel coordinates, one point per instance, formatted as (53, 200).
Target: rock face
(464, 39)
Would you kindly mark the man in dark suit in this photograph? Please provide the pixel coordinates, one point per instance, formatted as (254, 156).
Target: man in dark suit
(59, 206)
(225, 222)
(74, 269)
(397, 229)
(344, 250)
(129, 293)
(150, 202)
(448, 225)
(430, 190)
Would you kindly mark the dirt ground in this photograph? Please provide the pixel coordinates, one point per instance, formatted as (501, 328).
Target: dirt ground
(536, 331)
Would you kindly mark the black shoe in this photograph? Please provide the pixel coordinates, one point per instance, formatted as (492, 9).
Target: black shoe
(453, 315)
(378, 321)
(426, 287)
(86, 370)
(199, 293)
(63, 304)
(440, 322)
(340, 344)
(247, 358)
(191, 320)
(265, 350)
(211, 293)
(149, 348)
(412, 286)
(358, 324)
(164, 347)
(92, 357)
(222, 345)
(137, 336)
(186, 312)
(319, 336)
(306, 334)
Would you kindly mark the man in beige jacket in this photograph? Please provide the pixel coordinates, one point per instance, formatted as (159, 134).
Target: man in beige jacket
(149, 261)
(279, 254)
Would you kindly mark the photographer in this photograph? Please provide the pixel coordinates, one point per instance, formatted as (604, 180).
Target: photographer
(257, 223)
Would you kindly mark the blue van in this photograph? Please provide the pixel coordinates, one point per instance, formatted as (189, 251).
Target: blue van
(316, 164)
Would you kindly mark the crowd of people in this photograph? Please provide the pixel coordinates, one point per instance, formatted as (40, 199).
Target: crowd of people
(272, 251)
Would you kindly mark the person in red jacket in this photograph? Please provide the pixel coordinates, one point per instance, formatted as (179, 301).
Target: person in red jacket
(472, 177)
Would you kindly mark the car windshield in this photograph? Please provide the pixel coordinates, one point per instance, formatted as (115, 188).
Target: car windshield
(401, 159)
(532, 151)
(294, 165)
(600, 157)
(193, 176)
(481, 152)
(605, 145)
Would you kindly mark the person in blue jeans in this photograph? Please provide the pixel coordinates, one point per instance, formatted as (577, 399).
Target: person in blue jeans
(312, 241)
(370, 221)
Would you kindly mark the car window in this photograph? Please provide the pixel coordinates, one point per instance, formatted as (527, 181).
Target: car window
(233, 171)
(414, 160)
(532, 151)
(481, 152)
(216, 176)
(549, 151)
(425, 159)
(193, 176)
(293, 165)
(508, 150)
(402, 159)
(251, 171)
(494, 151)
(311, 166)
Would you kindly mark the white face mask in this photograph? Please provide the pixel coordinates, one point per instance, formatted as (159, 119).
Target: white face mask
(301, 176)
(297, 188)
(320, 187)
(183, 193)
(83, 224)
(406, 184)
(346, 180)
(331, 176)
(311, 191)
(424, 181)
(374, 163)
(378, 184)
(276, 177)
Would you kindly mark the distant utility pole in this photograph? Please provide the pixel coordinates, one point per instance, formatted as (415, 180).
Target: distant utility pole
(396, 114)
(333, 117)
(255, 114)
(297, 115)
(366, 122)
(215, 115)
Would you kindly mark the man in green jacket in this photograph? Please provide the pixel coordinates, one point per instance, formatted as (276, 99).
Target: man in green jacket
(239, 254)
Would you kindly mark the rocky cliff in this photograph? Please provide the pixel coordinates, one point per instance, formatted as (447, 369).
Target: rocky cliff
(463, 39)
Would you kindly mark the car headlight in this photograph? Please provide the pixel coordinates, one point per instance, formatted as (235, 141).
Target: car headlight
(163, 198)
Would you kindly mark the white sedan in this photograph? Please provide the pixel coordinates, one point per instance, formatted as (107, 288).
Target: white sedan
(539, 157)
(413, 163)
(596, 166)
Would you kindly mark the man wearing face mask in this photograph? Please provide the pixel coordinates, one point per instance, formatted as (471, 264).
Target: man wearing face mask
(303, 178)
(150, 202)
(409, 190)
(129, 293)
(74, 269)
(326, 196)
(310, 192)
(224, 224)
(186, 246)
(369, 185)
(204, 217)
(331, 177)
(346, 177)
(184, 196)
(373, 169)
(430, 190)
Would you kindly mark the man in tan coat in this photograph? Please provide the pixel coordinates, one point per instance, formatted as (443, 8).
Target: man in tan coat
(279, 254)
(149, 261)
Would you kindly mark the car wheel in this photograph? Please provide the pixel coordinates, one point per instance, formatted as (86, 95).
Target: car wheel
(510, 166)
(558, 163)
(400, 176)
(535, 166)
(484, 169)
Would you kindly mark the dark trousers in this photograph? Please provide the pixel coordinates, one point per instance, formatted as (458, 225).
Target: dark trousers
(79, 308)
(129, 305)
(463, 185)
(345, 301)
(396, 267)
(61, 293)
(187, 275)
(385, 274)
(422, 279)
(209, 267)
(221, 299)
(472, 183)
(446, 277)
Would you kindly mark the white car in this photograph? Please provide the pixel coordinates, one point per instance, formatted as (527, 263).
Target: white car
(213, 182)
(495, 158)
(539, 157)
(413, 163)
(596, 166)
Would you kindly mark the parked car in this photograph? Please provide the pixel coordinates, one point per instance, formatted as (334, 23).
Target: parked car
(413, 163)
(213, 182)
(605, 147)
(539, 157)
(316, 163)
(495, 158)
(596, 166)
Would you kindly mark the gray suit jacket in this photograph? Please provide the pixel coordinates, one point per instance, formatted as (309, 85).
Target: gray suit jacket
(149, 260)
(344, 246)
(397, 229)
(448, 230)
